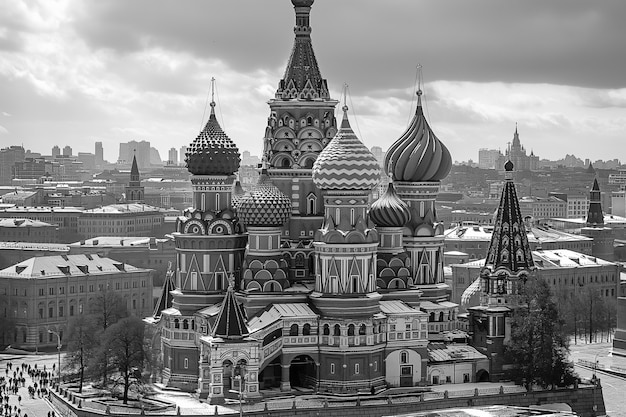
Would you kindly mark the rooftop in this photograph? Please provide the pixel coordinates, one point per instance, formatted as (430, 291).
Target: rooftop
(122, 208)
(442, 352)
(536, 234)
(43, 267)
(557, 258)
(23, 223)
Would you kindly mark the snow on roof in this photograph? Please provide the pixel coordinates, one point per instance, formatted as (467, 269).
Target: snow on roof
(397, 307)
(442, 352)
(279, 311)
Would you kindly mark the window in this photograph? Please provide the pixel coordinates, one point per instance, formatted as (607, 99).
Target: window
(41, 313)
(60, 311)
(326, 330)
(71, 310)
(50, 291)
(293, 330)
(50, 312)
(42, 292)
(72, 289)
(186, 363)
(404, 357)
(306, 329)
(332, 368)
(356, 368)
(375, 366)
(61, 290)
(337, 330)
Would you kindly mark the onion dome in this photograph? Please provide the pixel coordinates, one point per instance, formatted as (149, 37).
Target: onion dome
(389, 210)
(418, 155)
(266, 206)
(212, 152)
(302, 3)
(238, 193)
(346, 163)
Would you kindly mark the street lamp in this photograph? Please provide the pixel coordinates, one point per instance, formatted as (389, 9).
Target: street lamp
(240, 380)
(59, 353)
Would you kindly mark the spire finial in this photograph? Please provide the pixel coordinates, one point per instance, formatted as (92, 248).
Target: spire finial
(212, 93)
(345, 99)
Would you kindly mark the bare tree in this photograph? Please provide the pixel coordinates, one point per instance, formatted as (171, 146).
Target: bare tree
(124, 340)
(81, 342)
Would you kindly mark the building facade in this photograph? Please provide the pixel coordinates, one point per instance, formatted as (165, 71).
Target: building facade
(44, 293)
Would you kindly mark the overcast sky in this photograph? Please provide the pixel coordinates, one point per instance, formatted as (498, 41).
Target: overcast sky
(73, 72)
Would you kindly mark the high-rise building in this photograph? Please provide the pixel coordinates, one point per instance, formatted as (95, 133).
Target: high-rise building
(172, 157)
(133, 149)
(56, 151)
(99, 152)
(67, 151)
(489, 158)
(181, 155)
(8, 157)
(517, 155)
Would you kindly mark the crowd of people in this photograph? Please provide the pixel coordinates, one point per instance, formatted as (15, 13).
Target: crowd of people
(15, 377)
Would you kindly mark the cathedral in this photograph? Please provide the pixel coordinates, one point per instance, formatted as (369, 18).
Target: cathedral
(304, 281)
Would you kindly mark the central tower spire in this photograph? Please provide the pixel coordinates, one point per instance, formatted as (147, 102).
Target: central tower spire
(301, 123)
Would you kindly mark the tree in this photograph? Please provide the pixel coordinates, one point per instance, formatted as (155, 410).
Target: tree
(81, 343)
(107, 309)
(124, 342)
(538, 347)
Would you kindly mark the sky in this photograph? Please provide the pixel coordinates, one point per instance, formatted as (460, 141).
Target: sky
(73, 72)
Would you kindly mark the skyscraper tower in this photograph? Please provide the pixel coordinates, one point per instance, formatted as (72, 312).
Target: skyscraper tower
(301, 123)
(99, 152)
(508, 266)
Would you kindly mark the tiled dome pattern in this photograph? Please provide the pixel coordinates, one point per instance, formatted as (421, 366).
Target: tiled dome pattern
(212, 152)
(418, 155)
(389, 210)
(346, 163)
(266, 206)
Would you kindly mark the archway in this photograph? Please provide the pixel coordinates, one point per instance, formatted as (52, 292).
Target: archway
(227, 378)
(303, 372)
(482, 376)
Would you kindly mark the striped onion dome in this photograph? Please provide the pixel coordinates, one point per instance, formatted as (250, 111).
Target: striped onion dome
(238, 193)
(389, 210)
(418, 155)
(212, 152)
(265, 206)
(346, 163)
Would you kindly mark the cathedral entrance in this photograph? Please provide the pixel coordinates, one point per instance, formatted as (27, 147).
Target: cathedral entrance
(227, 378)
(303, 372)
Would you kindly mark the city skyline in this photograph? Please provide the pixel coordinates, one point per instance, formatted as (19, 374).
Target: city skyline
(79, 72)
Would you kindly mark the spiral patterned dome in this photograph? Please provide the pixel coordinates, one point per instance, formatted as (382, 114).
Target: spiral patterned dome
(266, 206)
(418, 155)
(212, 152)
(389, 210)
(346, 163)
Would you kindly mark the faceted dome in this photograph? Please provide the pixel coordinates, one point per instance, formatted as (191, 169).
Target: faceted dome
(212, 153)
(302, 3)
(346, 163)
(389, 210)
(266, 206)
(418, 155)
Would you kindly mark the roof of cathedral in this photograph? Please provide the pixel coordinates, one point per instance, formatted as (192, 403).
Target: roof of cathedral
(595, 217)
(231, 322)
(165, 298)
(509, 249)
(265, 206)
(418, 155)
(212, 152)
(389, 210)
(302, 79)
(346, 163)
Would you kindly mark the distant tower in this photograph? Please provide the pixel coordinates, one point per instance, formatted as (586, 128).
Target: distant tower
(172, 156)
(134, 191)
(67, 150)
(301, 123)
(99, 152)
(181, 155)
(56, 151)
(603, 237)
(508, 266)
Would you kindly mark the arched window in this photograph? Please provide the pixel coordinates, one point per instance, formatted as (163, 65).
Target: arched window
(311, 204)
(286, 163)
(404, 357)
(362, 329)
(185, 324)
(337, 330)
(351, 330)
(431, 317)
(326, 330)
(441, 316)
(293, 330)
(306, 329)
(176, 324)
